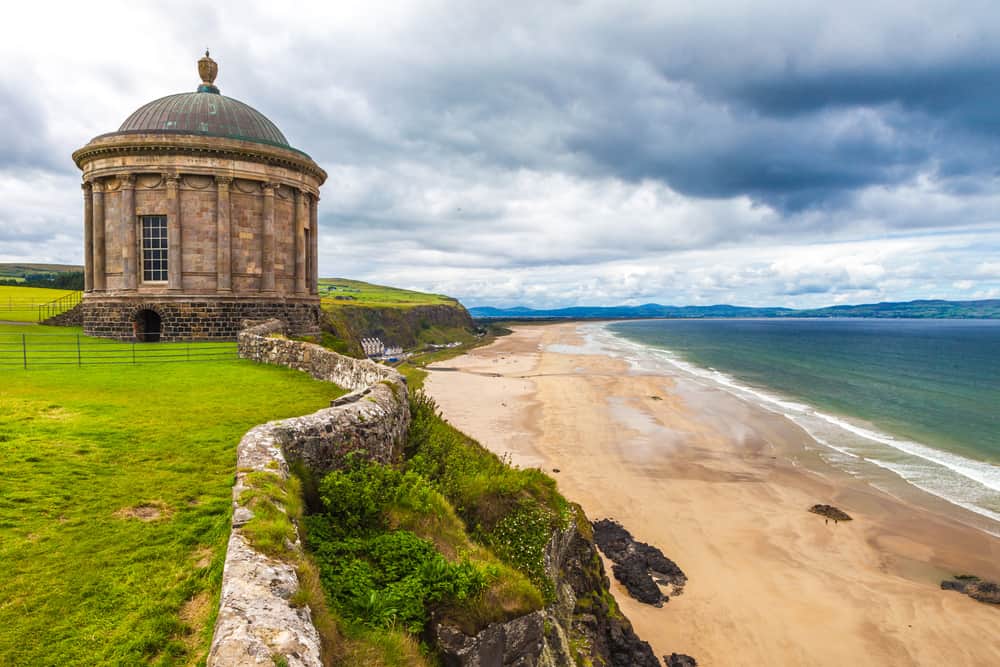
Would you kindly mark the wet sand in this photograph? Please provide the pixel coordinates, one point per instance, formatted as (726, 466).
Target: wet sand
(722, 487)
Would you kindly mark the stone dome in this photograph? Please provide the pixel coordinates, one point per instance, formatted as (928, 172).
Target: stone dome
(205, 113)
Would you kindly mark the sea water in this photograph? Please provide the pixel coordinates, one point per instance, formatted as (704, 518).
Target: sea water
(919, 398)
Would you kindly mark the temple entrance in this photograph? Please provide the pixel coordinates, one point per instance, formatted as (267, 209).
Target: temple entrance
(147, 326)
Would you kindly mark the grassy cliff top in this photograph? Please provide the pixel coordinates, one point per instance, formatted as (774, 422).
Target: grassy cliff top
(341, 291)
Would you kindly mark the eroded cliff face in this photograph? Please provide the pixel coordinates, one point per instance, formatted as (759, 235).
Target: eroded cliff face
(405, 327)
(582, 627)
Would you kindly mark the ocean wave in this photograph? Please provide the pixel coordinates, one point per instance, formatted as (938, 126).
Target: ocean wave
(951, 477)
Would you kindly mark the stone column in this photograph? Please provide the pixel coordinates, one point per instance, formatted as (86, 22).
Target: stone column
(267, 237)
(301, 222)
(129, 275)
(175, 248)
(88, 237)
(224, 254)
(100, 275)
(314, 243)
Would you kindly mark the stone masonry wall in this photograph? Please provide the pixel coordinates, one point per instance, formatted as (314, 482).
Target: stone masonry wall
(257, 623)
(193, 319)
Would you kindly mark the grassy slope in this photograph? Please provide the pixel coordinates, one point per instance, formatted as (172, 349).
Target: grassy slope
(367, 294)
(356, 309)
(20, 304)
(84, 584)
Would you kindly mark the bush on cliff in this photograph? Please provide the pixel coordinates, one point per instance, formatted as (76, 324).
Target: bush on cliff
(512, 511)
(391, 552)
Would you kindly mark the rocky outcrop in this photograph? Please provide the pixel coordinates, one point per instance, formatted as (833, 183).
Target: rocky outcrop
(582, 624)
(974, 587)
(830, 512)
(519, 642)
(641, 568)
(679, 660)
(258, 621)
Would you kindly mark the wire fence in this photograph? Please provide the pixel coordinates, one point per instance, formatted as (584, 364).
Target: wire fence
(26, 351)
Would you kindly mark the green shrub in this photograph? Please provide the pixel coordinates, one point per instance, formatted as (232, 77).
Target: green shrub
(377, 576)
(512, 511)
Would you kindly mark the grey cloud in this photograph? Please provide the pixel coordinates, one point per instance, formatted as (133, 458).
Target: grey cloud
(533, 151)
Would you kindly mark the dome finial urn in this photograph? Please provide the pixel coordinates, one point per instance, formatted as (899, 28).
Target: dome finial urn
(207, 70)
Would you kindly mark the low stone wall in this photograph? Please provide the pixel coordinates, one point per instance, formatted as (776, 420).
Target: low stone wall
(258, 624)
(265, 342)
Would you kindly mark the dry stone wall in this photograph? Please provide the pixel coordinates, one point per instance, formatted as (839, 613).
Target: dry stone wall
(258, 624)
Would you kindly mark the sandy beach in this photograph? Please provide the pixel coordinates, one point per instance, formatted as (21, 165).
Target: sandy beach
(722, 487)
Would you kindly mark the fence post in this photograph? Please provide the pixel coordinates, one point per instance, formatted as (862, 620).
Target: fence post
(79, 358)
(24, 350)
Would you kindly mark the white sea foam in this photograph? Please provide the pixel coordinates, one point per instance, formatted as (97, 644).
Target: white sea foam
(973, 485)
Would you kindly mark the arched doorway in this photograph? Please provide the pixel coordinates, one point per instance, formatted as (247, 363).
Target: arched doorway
(147, 326)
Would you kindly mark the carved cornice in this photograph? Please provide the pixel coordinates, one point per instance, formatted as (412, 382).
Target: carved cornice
(165, 143)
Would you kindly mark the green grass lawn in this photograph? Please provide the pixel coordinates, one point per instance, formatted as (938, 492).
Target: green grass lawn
(20, 304)
(114, 503)
(355, 292)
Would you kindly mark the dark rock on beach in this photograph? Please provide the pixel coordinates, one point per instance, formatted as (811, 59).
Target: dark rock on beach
(679, 660)
(641, 568)
(974, 587)
(830, 512)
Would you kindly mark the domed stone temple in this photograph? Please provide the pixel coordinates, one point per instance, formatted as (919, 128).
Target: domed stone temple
(198, 214)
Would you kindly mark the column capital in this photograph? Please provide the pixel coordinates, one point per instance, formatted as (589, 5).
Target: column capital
(270, 187)
(128, 181)
(223, 181)
(96, 186)
(86, 186)
(172, 179)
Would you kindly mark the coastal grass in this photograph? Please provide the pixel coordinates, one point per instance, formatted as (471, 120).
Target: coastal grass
(511, 511)
(341, 291)
(20, 304)
(115, 503)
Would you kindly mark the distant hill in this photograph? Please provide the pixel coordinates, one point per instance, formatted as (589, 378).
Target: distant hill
(57, 276)
(940, 309)
(24, 269)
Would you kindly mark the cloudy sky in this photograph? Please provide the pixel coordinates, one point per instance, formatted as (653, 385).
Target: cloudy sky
(760, 153)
